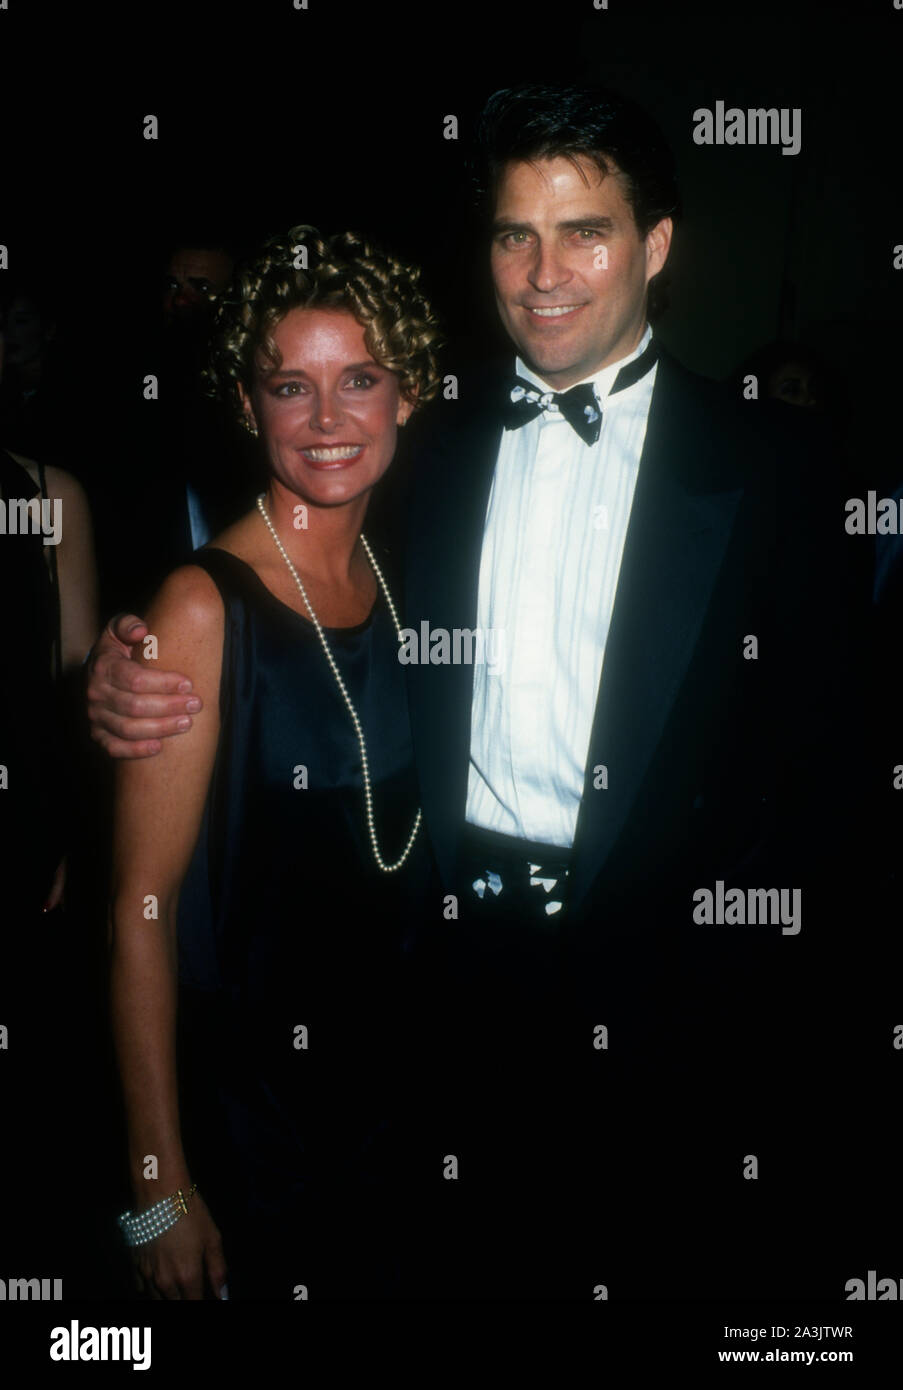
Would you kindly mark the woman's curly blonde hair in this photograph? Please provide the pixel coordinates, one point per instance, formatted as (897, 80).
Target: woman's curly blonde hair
(345, 271)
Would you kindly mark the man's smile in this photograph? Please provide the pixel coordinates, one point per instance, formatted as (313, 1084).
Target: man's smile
(557, 312)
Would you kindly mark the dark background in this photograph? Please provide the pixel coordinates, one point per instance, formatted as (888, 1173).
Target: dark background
(334, 115)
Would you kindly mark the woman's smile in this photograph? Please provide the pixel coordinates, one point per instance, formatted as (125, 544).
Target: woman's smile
(332, 455)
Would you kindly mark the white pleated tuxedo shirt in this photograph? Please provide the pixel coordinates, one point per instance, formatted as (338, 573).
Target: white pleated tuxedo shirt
(553, 539)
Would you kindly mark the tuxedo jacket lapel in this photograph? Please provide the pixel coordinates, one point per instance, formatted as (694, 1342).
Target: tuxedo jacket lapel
(442, 570)
(680, 527)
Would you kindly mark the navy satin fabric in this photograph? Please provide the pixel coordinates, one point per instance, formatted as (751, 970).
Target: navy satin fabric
(285, 920)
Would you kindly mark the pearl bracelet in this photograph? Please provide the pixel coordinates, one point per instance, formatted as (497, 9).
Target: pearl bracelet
(141, 1226)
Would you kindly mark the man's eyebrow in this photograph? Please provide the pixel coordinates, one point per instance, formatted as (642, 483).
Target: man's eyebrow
(595, 219)
(504, 224)
(571, 224)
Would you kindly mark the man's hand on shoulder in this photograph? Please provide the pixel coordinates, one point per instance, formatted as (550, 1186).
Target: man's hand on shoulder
(130, 708)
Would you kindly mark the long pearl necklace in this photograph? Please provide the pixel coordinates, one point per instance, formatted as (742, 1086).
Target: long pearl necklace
(365, 766)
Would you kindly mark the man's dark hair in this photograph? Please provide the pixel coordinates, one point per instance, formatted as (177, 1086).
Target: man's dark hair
(537, 121)
(198, 238)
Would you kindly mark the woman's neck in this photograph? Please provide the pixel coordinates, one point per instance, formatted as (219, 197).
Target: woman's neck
(320, 541)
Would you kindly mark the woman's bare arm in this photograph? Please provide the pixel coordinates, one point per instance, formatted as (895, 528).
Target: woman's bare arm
(159, 804)
(76, 562)
(76, 569)
(77, 578)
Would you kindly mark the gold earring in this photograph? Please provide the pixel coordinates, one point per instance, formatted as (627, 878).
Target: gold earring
(249, 425)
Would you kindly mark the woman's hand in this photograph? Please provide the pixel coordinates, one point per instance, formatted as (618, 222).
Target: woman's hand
(174, 1265)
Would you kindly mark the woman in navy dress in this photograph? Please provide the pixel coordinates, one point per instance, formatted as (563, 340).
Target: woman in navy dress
(268, 866)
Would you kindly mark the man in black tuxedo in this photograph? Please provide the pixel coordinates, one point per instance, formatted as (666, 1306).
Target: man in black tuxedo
(595, 502)
(621, 714)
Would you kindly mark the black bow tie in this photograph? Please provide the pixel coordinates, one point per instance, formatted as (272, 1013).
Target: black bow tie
(578, 405)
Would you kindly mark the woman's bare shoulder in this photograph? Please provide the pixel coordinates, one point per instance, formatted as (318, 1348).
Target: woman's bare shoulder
(187, 600)
(58, 482)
